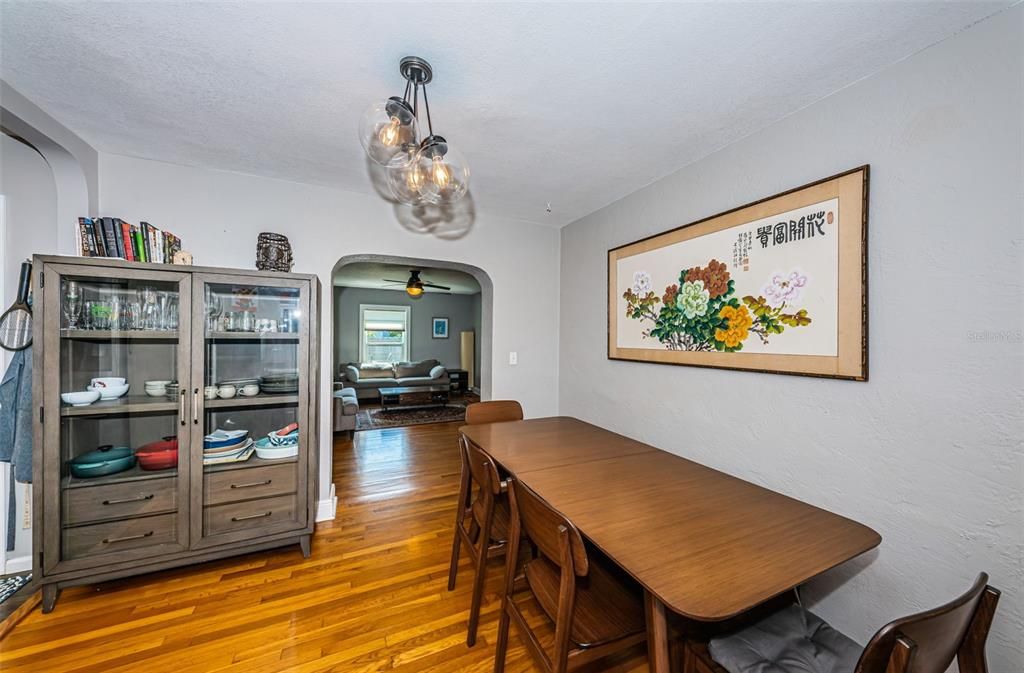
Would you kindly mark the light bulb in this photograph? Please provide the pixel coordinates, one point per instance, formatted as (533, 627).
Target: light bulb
(385, 129)
(440, 173)
(391, 133)
(407, 174)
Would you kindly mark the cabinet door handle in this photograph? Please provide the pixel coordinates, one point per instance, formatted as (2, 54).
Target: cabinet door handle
(181, 407)
(195, 406)
(252, 484)
(251, 516)
(140, 498)
(111, 540)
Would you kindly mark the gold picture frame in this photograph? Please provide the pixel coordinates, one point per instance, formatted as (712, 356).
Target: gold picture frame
(744, 312)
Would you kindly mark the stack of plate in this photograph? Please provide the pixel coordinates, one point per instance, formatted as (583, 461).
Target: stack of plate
(280, 382)
(226, 446)
(172, 390)
(237, 383)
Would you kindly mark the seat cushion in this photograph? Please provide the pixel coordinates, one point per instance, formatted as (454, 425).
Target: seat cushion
(606, 608)
(417, 381)
(791, 640)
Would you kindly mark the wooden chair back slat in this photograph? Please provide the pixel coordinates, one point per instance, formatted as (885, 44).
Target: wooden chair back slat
(936, 636)
(544, 526)
(494, 411)
(481, 469)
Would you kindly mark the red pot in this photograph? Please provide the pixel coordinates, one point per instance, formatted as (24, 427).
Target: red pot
(159, 455)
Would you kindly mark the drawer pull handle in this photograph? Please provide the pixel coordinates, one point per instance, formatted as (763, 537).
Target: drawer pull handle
(251, 485)
(111, 540)
(140, 498)
(251, 516)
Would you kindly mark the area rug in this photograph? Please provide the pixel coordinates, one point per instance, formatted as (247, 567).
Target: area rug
(375, 419)
(10, 585)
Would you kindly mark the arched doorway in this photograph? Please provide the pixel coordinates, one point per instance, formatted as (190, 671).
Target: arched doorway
(484, 338)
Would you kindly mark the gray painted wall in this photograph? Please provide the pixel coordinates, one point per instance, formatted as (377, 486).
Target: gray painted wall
(928, 452)
(462, 311)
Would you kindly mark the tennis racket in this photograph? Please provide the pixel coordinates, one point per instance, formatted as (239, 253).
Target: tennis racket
(16, 322)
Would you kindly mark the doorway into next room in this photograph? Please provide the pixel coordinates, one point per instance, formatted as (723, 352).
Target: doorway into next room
(407, 344)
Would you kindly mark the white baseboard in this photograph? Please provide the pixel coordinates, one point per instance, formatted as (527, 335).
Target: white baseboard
(18, 564)
(326, 509)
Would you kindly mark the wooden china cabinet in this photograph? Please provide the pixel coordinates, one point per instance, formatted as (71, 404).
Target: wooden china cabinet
(128, 485)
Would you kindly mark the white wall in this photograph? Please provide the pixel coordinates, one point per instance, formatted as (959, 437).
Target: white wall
(928, 452)
(30, 192)
(219, 214)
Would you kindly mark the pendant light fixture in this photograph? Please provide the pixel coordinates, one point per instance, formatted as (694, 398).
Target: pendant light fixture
(427, 170)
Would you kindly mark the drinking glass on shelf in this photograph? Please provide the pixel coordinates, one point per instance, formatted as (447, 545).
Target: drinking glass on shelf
(163, 310)
(214, 309)
(149, 315)
(72, 303)
(171, 315)
(100, 314)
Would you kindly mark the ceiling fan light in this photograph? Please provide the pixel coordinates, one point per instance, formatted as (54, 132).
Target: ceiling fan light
(414, 290)
(386, 128)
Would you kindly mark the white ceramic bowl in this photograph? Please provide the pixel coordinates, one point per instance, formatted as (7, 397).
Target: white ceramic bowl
(82, 398)
(107, 381)
(157, 384)
(156, 391)
(249, 390)
(111, 392)
(226, 392)
(277, 452)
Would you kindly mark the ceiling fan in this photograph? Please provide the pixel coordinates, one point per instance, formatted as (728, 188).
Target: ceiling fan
(414, 287)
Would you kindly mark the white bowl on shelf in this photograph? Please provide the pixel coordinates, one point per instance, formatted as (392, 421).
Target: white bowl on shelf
(81, 398)
(276, 452)
(107, 381)
(110, 392)
(156, 391)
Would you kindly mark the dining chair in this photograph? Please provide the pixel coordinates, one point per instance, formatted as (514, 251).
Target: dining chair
(595, 614)
(794, 640)
(493, 411)
(482, 515)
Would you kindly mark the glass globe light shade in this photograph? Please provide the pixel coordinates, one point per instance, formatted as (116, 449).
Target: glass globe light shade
(385, 128)
(406, 174)
(447, 173)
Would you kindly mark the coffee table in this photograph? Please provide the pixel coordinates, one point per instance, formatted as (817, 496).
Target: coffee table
(419, 396)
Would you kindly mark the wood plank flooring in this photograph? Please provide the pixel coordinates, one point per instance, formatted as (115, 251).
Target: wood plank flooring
(372, 597)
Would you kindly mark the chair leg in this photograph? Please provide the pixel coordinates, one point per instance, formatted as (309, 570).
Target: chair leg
(479, 575)
(502, 649)
(453, 569)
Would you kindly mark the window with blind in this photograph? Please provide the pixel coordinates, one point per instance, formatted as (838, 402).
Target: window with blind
(385, 333)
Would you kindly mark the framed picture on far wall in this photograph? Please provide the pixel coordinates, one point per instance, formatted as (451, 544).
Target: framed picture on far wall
(439, 329)
(777, 286)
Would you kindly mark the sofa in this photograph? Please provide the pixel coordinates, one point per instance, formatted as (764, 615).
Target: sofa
(346, 406)
(366, 378)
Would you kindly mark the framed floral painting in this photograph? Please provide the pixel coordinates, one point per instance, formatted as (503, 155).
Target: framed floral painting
(779, 285)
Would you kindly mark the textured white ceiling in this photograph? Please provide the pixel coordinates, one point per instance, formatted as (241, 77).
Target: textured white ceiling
(372, 275)
(569, 103)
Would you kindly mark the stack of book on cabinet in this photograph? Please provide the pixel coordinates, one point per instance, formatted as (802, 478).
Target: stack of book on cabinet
(113, 237)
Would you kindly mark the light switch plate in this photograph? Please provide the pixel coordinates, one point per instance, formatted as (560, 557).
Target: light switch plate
(513, 358)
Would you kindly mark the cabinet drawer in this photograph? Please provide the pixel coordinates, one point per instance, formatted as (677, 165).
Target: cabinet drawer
(248, 515)
(113, 501)
(249, 483)
(115, 536)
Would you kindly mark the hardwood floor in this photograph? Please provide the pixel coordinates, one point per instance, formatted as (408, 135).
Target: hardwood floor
(371, 598)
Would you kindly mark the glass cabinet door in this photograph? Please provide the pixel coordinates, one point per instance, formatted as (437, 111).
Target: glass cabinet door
(116, 450)
(251, 394)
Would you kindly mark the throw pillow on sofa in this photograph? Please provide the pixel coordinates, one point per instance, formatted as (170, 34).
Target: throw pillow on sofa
(352, 373)
(437, 372)
(422, 368)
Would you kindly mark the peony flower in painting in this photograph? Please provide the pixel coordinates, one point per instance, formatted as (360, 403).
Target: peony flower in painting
(782, 289)
(701, 313)
(641, 282)
(693, 299)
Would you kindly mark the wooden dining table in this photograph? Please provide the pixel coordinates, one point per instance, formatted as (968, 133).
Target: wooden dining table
(702, 543)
